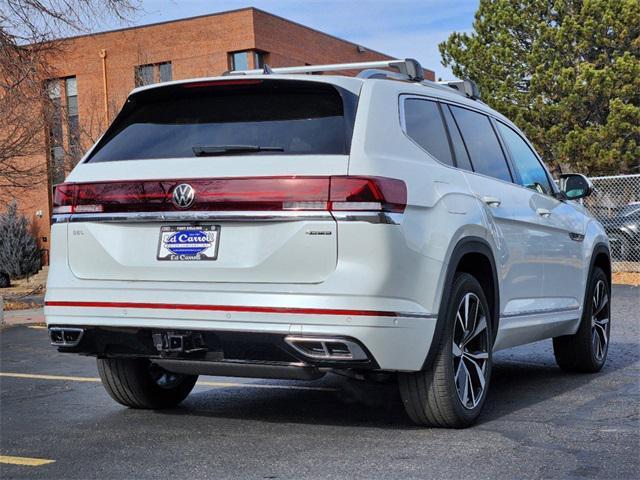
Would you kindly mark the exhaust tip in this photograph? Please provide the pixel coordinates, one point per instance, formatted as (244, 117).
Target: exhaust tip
(65, 336)
(327, 348)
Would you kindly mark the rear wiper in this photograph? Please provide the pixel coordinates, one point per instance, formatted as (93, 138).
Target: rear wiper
(213, 150)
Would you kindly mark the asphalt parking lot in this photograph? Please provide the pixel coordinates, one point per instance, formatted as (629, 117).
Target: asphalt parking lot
(539, 422)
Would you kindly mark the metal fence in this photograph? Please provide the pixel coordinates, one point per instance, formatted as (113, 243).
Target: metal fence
(616, 204)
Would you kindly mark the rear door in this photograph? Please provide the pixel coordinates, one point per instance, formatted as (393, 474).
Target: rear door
(510, 210)
(219, 181)
(563, 226)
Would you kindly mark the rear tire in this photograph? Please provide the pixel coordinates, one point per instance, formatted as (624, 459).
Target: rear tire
(137, 383)
(586, 350)
(453, 390)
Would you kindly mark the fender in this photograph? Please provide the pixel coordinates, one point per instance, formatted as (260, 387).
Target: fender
(600, 247)
(466, 245)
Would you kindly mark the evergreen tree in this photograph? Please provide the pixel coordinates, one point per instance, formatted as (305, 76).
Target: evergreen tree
(19, 252)
(565, 71)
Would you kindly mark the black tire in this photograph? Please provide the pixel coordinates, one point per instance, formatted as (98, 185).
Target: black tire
(5, 281)
(584, 352)
(137, 383)
(431, 396)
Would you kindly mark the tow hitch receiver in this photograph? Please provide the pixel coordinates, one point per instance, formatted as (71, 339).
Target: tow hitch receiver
(168, 343)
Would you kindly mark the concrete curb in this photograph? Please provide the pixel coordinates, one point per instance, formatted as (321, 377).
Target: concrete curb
(22, 317)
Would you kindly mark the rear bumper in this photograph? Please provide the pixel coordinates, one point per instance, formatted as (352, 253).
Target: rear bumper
(394, 341)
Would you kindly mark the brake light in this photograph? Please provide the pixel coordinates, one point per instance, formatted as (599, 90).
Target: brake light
(368, 194)
(220, 83)
(235, 194)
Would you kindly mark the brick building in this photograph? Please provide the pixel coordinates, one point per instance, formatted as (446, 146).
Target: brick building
(96, 72)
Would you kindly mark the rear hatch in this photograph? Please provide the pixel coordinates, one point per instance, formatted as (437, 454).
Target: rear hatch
(216, 181)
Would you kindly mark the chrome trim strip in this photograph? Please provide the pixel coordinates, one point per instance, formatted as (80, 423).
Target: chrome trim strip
(193, 216)
(222, 216)
(386, 218)
(542, 311)
(416, 315)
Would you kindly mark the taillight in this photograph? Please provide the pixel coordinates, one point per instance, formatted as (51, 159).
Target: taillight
(235, 194)
(368, 194)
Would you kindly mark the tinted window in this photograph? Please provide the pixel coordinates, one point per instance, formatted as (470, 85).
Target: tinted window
(532, 175)
(293, 117)
(424, 126)
(460, 151)
(482, 143)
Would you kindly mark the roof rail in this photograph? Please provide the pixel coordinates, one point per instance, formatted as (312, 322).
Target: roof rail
(465, 87)
(408, 68)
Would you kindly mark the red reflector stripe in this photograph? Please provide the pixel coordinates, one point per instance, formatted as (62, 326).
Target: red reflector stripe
(224, 308)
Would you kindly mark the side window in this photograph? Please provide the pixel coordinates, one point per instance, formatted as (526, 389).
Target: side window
(459, 150)
(532, 174)
(482, 144)
(423, 124)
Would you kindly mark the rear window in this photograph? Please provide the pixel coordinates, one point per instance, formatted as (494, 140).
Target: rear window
(250, 117)
(424, 126)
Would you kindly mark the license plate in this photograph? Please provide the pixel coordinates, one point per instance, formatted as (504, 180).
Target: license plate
(189, 243)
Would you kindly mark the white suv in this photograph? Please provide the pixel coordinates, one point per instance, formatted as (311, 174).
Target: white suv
(274, 224)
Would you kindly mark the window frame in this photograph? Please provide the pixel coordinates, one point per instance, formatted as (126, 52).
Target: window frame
(349, 104)
(155, 73)
(512, 173)
(252, 55)
(515, 174)
(259, 56)
(444, 105)
(402, 98)
(403, 125)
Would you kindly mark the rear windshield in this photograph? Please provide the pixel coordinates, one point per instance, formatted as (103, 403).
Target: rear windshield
(239, 117)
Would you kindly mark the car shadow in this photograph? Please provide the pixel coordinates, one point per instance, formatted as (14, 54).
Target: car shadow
(519, 381)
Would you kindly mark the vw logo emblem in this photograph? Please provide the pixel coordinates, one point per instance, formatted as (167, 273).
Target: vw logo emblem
(183, 195)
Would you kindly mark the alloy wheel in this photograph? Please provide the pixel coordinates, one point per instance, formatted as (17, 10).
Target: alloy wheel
(470, 350)
(600, 320)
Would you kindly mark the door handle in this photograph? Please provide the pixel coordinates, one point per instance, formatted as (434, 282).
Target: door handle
(543, 212)
(492, 201)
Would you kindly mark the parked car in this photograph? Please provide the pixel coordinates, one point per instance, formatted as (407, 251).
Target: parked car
(282, 225)
(624, 233)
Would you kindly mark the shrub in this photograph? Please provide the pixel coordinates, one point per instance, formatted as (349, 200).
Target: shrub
(19, 252)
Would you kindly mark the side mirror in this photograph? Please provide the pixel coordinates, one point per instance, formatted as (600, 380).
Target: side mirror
(575, 186)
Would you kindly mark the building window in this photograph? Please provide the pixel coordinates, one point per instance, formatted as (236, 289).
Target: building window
(54, 127)
(258, 59)
(73, 128)
(164, 72)
(63, 126)
(153, 73)
(240, 60)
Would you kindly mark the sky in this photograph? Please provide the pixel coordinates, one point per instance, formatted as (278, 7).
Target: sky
(400, 28)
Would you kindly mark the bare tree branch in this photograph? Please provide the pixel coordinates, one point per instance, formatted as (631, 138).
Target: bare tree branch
(30, 32)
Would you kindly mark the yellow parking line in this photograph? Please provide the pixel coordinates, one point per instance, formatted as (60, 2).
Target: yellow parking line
(31, 462)
(203, 383)
(37, 327)
(49, 377)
